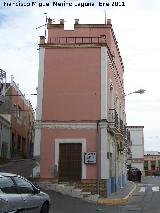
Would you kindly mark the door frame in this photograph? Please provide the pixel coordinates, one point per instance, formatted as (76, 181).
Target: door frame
(82, 141)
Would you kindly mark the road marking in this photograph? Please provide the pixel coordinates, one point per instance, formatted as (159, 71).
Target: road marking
(155, 188)
(146, 184)
(142, 189)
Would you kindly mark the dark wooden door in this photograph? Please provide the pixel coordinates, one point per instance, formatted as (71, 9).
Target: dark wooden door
(70, 161)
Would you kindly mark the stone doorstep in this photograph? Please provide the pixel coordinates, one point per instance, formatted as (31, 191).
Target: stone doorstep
(68, 190)
(92, 198)
(77, 193)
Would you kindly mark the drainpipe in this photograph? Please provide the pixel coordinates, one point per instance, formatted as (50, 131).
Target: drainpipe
(98, 158)
(115, 164)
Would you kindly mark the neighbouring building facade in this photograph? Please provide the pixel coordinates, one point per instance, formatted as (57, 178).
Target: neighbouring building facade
(80, 129)
(20, 115)
(151, 162)
(4, 121)
(5, 127)
(136, 147)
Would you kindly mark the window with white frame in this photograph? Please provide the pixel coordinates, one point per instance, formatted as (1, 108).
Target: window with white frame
(19, 112)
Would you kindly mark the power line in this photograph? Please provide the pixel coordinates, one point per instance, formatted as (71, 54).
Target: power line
(22, 94)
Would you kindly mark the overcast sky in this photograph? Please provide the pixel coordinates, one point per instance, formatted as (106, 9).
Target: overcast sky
(136, 27)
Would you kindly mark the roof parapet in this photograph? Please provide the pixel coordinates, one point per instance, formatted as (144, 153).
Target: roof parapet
(42, 40)
(62, 21)
(76, 21)
(109, 22)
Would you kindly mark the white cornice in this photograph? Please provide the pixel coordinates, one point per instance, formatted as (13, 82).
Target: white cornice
(63, 125)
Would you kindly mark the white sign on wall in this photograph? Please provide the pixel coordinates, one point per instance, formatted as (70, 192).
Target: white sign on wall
(90, 157)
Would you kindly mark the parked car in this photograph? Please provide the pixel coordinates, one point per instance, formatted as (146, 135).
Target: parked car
(132, 173)
(18, 195)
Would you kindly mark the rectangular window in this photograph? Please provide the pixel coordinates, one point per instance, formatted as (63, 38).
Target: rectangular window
(15, 110)
(19, 112)
(146, 165)
(153, 165)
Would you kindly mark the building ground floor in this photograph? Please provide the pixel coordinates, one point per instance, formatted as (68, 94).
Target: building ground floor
(152, 163)
(21, 145)
(85, 153)
(4, 138)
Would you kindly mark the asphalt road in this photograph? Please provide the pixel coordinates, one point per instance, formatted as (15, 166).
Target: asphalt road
(21, 167)
(146, 198)
(66, 204)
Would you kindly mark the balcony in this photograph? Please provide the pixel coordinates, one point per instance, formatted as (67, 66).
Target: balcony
(113, 119)
(116, 124)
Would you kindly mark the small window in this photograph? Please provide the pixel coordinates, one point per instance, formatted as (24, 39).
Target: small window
(7, 186)
(145, 165)
(24, 187)
(19, 112)
(15, 110)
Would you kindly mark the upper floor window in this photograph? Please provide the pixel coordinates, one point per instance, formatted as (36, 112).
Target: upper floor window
(111, 96)
(15, 110)
(19, 112)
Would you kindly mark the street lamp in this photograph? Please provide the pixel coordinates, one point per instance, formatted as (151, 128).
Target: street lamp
(140, 91)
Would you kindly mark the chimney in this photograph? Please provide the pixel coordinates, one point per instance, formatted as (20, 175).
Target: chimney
(49, 21)
(12, 78)
(109, 21)
(76, 21)
(61, 21)
(42, 40)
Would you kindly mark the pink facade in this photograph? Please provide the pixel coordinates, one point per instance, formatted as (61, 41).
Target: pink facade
(71, 84)
(48, 148)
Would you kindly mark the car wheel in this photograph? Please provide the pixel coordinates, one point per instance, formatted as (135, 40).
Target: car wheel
(45, 208)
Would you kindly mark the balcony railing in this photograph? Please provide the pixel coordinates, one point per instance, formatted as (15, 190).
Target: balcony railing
(115, 122)
(76, 40)
(113, 119)
(117, 125)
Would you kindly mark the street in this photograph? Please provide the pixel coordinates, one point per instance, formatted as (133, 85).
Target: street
(146, 198)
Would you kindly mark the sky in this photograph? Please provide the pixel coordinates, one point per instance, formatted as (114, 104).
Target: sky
(136, 27)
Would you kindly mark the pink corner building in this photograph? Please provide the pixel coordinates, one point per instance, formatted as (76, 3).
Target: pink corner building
(81, 124)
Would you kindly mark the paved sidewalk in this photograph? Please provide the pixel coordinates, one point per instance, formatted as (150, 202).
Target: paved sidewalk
(121, 196)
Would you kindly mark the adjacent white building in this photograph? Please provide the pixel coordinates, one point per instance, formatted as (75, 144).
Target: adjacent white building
(136, 147)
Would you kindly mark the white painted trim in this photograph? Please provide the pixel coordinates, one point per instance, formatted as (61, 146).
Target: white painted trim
(37, 141)
(40, 84)
(39, 100)
(104, 150)
(103, 129)
(76, 140)
(103, 83)
(63, 125)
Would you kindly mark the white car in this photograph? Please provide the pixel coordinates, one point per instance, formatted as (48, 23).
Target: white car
(18, 195)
